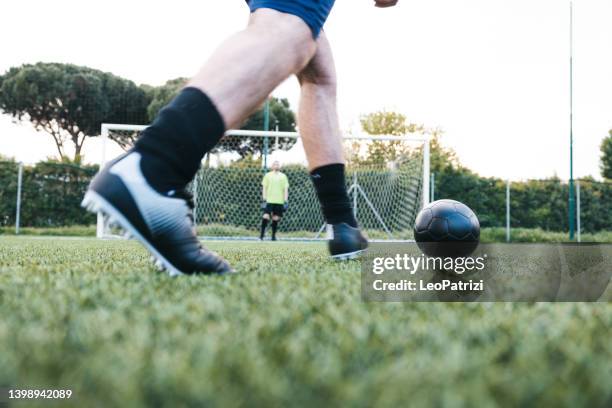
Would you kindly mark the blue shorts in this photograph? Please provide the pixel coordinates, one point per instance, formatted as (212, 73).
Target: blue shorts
(313, 12)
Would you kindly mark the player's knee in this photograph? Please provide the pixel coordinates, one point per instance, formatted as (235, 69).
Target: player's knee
(288, 32)
(266, 216)
(321, 73)
(325, 80)
(275, 218)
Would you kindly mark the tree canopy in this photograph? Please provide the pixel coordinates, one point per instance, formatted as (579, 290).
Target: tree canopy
(389, 123)
(606, 157)
(162, 95)
(157, 98)
(70, 102)
(281, 117)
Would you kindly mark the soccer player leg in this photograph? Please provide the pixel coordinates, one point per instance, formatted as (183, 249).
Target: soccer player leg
(276, 217)
(144, 191)
(277, 44)
(320, 131)
(264, 221)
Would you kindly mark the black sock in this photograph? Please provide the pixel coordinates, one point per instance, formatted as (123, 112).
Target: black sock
(330, 186)
(173, 146)
(264, 224)
(274, 227)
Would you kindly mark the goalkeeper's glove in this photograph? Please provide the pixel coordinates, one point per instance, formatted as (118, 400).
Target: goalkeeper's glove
(286, 205)
(264, 204)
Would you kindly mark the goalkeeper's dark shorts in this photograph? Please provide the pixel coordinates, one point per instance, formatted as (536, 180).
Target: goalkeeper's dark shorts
(274, 209)
(313, 12)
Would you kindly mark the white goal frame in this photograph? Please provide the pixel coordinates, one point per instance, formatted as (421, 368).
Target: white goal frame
(424, 139)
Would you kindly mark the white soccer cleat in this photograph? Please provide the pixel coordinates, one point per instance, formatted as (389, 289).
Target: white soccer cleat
(162, 223)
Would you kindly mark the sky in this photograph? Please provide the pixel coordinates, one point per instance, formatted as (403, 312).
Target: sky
(493, 74)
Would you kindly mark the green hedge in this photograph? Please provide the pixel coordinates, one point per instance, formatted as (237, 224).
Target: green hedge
(8, 192)
(51, 194)
(533, 204)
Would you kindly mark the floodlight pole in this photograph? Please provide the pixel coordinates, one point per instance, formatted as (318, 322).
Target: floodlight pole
(572, 210)
(508, 210)
(578, 226)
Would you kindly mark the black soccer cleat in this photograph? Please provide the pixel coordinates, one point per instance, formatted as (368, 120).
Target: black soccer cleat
(162, 223)
(347, 242)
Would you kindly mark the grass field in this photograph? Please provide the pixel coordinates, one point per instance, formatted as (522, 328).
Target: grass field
(289, 330)
(487, 234)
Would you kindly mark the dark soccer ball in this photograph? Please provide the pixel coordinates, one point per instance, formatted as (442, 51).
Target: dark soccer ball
(447, 228)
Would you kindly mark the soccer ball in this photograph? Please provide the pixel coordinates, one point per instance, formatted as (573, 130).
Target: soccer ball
(447, 228)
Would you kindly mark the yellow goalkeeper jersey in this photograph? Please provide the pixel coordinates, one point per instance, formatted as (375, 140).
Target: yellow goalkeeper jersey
(274, 185)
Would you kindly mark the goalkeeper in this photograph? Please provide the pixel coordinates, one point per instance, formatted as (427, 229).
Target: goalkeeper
(275, 193)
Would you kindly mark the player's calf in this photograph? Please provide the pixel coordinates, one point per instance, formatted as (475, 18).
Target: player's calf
(275, 221)
(264, 223)
(348, 241)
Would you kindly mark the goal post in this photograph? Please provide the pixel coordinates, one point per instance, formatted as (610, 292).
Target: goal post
(387, 180)
(103, 229)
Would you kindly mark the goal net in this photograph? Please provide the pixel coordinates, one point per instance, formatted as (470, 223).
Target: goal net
(387, 180)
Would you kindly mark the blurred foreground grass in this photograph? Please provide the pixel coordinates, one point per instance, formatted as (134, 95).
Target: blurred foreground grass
(289, 330)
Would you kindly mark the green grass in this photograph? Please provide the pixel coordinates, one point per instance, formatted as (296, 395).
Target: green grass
(68, 231)
(289, 330)
(217, 230)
